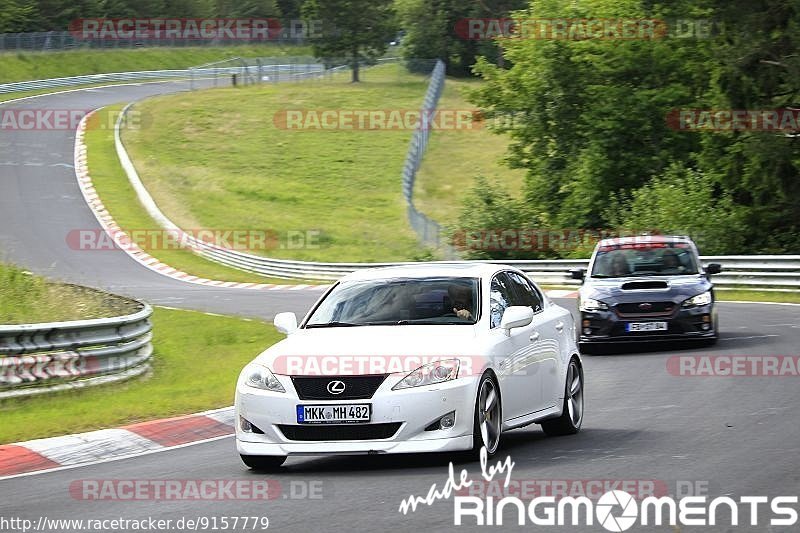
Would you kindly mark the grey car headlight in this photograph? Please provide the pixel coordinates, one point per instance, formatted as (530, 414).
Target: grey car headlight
(697, 301)
(590, 305)
(430, 374)
(260, 377)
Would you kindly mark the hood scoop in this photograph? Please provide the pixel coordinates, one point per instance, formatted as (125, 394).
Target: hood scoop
(643, 285)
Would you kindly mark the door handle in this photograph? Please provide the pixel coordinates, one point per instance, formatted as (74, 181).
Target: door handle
(560, 327)
(535, 336)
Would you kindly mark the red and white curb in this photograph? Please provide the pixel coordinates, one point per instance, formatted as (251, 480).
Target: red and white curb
(112, 229)
(57, 453)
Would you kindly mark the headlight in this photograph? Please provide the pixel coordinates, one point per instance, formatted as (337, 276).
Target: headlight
(700, 299)
(430, 374)
(260, 377)
(592, 305)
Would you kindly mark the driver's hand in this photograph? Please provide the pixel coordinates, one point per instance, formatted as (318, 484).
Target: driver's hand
(463, 313)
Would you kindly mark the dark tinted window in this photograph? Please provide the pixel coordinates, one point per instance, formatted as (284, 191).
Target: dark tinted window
(527, 295)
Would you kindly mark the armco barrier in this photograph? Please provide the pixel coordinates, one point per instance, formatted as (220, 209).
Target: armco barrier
(37, 358)
(777, 272)
(276, 71)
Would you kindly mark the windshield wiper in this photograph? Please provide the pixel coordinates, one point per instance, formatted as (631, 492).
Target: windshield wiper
(401, 322)
(332, 325)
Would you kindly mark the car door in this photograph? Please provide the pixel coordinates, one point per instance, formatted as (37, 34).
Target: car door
(552, 326)
(520, 353)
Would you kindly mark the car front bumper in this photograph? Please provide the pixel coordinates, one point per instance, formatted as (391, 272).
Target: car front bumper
(686, 324)
(410, 410)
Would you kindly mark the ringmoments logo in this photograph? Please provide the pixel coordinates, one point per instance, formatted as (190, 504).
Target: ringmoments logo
(615, 510)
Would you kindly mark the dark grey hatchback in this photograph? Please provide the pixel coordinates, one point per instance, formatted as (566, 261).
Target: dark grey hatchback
(647, 288)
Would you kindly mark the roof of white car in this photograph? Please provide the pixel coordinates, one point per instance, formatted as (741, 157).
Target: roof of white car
(426, 270)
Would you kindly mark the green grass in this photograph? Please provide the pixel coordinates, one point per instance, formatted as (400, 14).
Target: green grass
(120, 199)
(215, 159)
(456, 156)
(196, 361)
(758, 296)
(26, 298)
(43, 65)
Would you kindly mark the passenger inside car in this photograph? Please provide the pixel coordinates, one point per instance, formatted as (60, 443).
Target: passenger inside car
(670, 262)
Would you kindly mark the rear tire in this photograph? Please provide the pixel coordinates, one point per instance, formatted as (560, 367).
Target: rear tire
(263, 462)
(571, 417)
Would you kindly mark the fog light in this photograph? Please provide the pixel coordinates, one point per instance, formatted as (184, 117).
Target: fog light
(247, 427)
(587, 331)
(585, 323)
(706, 318)
(706, 327)
(448, 420)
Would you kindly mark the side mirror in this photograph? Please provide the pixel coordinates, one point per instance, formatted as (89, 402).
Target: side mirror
(578, 273)
(516, 316)
(713, 268)
(286, 323)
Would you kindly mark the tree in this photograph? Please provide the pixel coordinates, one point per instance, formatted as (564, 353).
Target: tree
(357, 31)
(435, 30)
(586, 119)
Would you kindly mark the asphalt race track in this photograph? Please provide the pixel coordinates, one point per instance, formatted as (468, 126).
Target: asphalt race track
(40, 202)
(732, 436)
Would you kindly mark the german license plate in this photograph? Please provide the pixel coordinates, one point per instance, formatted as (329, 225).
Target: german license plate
(334, 414)
(646, 326)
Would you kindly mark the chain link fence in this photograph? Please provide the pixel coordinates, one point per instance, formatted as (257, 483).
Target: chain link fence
(428, 230)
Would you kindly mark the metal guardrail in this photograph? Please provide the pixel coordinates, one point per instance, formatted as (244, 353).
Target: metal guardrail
(46, 357)
(777, 272)
(277, 71)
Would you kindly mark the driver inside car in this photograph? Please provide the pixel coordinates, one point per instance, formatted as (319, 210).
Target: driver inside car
(461, 298)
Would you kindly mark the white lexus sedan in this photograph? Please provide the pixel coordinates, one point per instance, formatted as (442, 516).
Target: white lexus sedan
(436, 357)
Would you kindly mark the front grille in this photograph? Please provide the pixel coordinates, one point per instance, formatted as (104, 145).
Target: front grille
(355, 387)
(323, 432)
(635, 309)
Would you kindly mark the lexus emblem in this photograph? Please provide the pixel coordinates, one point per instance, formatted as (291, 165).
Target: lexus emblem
(336, 387)
(645, 306)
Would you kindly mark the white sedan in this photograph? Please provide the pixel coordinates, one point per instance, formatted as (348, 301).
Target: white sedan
(436, 357)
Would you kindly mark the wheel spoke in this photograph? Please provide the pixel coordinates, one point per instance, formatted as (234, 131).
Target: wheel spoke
(492, 433)
(576, 385)
(485, 433)
(575, 411)
(490, 400)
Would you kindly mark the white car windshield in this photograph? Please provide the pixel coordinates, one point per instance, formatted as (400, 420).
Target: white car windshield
(398, 301)
(651, 259)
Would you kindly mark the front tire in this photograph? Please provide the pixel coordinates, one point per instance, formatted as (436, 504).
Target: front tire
(263, 462)
(488, 417)
(571, 417)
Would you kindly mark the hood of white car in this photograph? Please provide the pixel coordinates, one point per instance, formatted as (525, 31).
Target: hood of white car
(385, 348)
